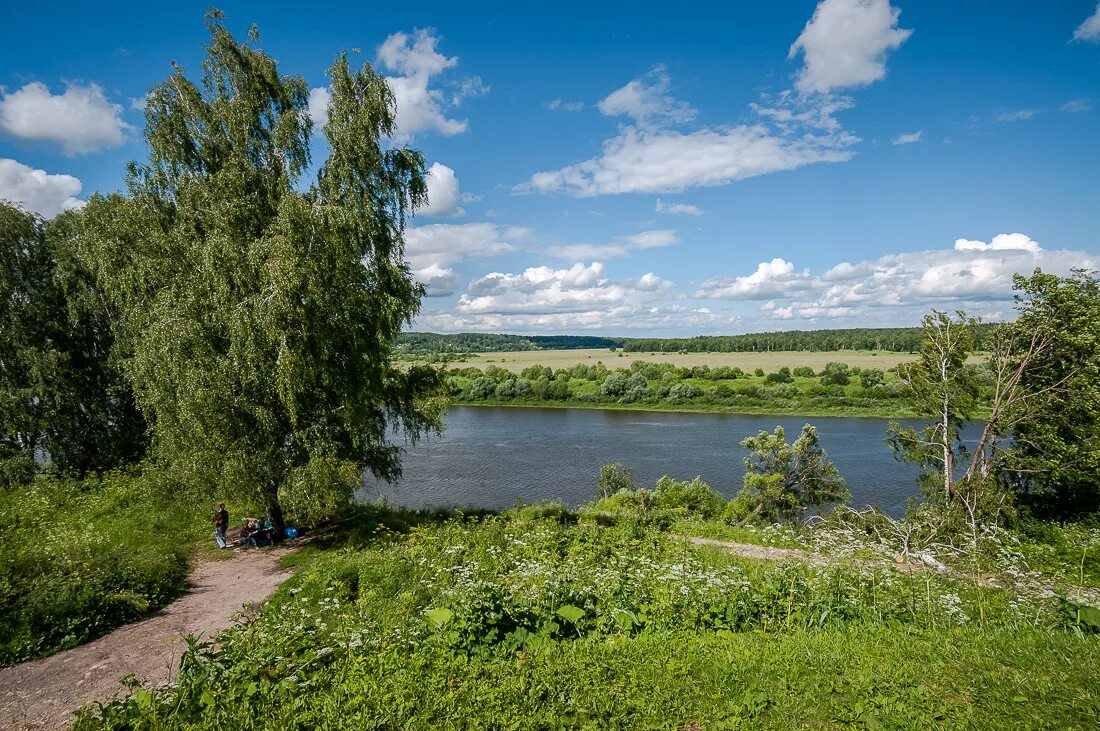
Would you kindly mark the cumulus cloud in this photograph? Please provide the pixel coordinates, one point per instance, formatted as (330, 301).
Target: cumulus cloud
(792, 129)
(319, 99)
(415, 63)
(643, 318)
(440, 281)
(1000, 242)
(973, 274)
(36, 190)
(422, 106)
(80, 119)
(845, 44)
(620, 247)
(684, 209)
(908, 139)
(544, 290)
(647, 100)
(443, 193)
(1089, 30)
(432, 249)
(771, 279)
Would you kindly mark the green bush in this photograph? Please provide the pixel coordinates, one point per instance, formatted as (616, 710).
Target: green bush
(695, 497)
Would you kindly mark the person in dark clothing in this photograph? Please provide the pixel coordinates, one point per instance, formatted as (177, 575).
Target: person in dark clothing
(221, 524)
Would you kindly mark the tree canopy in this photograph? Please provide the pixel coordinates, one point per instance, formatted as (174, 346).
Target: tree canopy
(1055, 462)
(62, 394)
(782, 480)
(258, 305)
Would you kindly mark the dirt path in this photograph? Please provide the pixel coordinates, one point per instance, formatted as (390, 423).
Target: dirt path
(43, 694)
(750, 550)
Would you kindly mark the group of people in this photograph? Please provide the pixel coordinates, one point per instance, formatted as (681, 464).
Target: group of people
(255, 532)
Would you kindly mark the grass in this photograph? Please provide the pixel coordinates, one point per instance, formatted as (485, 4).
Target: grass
(534, 620)
(80, 558)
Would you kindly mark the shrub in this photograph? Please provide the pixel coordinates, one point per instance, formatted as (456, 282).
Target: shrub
(614, 478)
(804, 372)
(835, 374)
(783, 375)
(871, 377)
(481, 388)
(694, 498)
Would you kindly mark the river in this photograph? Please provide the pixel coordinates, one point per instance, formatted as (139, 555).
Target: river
(491, 457)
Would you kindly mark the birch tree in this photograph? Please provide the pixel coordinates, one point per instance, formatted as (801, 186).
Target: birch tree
(258, 303)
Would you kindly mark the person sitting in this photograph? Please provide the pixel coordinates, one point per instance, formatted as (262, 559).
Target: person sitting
(256, 533)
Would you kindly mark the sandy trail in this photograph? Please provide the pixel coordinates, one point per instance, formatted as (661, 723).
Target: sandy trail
(44, 694)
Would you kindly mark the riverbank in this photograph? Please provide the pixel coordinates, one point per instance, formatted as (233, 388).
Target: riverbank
(745, 410)
(835, 389)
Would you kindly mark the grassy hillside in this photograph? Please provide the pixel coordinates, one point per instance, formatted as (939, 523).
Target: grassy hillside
(535, 620)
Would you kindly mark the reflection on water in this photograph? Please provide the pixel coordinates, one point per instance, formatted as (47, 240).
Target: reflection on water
(497, 457)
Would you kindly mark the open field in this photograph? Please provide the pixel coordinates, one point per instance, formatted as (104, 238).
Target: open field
(770, 362)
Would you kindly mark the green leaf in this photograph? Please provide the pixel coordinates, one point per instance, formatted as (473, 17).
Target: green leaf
(440, 616)
(570, 613)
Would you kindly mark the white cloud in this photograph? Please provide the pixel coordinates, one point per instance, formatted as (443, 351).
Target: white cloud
(974, 275)
(664, 161)
(644, 319)
(319, 99)
(845, 44)
(771, 279)
(649, 157)
(439, 280)
(443, 193)
(908, 139)
(1015, 115)
(432, 250)
(1000, 242)
(564, 106)
(1076, 105)
(415, 62)
(685, 209)
(543, 290)
(647, 100)
(38, 190)
(468, 88)
(620, 247)
(80, 119)
(1089, 30)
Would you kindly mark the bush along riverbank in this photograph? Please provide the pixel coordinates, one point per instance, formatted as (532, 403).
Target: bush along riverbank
(611, 616)
(835, 390)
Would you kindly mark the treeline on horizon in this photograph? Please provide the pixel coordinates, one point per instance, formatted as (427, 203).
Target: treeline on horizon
(898, 339)
(416, 342)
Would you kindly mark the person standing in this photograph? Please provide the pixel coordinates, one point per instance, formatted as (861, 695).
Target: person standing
(221, 524)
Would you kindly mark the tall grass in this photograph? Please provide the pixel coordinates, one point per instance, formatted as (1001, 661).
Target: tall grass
(529, 620)
(78, 558)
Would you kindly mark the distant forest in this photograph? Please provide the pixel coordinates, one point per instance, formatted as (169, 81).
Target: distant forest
(493, 343)
(902, 339)
(899, 339)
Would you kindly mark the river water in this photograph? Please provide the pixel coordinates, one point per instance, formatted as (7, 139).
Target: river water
(494, 458)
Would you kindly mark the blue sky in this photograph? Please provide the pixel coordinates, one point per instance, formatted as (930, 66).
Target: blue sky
(682, 170)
